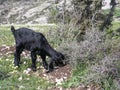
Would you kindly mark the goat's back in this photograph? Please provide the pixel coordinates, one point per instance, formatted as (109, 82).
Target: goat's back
(25, 35)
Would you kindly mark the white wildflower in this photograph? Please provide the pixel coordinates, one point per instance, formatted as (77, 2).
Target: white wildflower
(7, 59)
(20, 78)
(27, 71)
(24, 62)
(65, 78)
(27, 78)
(24, 53)
(14, 71)
(38, 88)
(44, 75)
(16, 67)
(21, 87)
(59, 81)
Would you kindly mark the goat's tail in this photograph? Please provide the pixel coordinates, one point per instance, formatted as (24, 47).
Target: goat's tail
(13, 29)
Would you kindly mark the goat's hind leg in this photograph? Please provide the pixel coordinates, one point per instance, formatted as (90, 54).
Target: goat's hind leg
(33, 57)
(17, 55)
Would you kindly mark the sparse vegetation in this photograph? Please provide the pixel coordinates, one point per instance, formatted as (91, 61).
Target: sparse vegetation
(94, 55)
(12, 78)
(95, 60)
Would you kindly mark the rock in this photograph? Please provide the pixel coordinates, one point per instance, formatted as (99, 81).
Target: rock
(36, 10)
(42, 20)
(68, 5)
(30, 11)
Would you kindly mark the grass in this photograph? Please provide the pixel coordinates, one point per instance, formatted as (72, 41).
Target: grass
(12, 78)
(77, 74)
(116, 13)
(116, 25)
(5, 34)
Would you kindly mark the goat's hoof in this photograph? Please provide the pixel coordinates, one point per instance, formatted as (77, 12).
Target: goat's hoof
(46, 67)
(34, 69)
(49, 71)
(62, 65)
(16, 65)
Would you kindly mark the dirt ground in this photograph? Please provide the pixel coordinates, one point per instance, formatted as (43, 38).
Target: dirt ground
(59, 75)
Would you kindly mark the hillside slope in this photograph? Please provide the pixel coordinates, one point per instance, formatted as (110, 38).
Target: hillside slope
(24, 11)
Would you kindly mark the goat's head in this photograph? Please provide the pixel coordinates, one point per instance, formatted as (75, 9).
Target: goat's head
(59, 59)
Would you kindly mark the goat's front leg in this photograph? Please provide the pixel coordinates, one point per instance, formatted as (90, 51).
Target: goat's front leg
(17, 55)
(45, 64)
(33, 57)
(51, 66)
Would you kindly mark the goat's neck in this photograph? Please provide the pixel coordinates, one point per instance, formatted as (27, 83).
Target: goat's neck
(50, 51)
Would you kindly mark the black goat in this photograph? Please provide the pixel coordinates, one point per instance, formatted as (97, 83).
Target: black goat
(37, 44)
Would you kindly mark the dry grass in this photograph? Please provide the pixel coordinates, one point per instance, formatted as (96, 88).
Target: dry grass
(95, 60)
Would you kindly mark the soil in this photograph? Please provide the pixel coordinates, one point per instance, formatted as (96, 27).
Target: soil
(59, 75)
(6, 50)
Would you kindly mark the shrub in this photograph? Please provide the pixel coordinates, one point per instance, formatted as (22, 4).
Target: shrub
(95, 60)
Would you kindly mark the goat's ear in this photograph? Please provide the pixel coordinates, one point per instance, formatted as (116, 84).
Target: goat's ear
(62, 56)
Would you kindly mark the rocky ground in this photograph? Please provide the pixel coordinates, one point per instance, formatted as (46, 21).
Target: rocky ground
(59, 75)
(32, 11)
(28, 11)
(19, 12)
